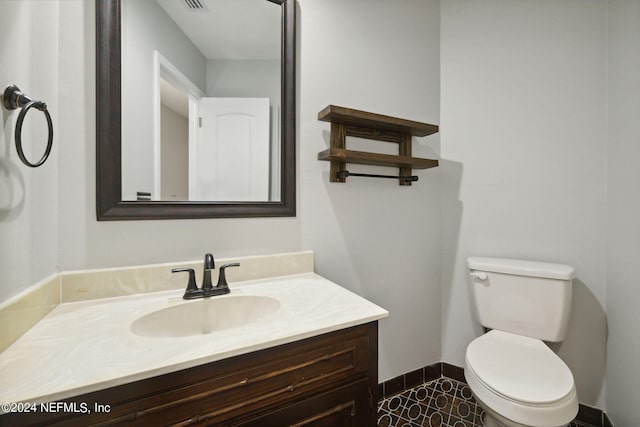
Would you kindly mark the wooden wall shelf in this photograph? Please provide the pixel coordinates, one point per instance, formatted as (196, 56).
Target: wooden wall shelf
(366, 158)
(349, 122)
(349, 116)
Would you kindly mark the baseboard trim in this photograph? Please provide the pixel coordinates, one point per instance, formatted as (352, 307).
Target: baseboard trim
(586, 414)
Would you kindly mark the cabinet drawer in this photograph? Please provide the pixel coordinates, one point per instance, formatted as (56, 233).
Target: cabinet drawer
(261, 386)
(346, 406)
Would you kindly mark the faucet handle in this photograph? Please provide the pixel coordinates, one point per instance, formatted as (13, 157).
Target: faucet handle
(192, 287)
(222, 278)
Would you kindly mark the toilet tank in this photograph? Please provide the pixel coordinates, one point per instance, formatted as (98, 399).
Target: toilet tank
(523, 297)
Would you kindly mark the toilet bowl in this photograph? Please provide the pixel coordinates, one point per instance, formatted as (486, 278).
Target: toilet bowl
(513, 374)
(519, 381)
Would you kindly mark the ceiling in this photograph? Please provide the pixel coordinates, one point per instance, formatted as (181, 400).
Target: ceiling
(230, 29)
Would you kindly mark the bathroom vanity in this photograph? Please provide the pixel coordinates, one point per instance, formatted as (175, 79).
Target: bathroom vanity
(329, 380)
(293, 350)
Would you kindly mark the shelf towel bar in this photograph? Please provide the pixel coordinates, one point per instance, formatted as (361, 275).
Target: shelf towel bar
(12, 99)
(344, 174)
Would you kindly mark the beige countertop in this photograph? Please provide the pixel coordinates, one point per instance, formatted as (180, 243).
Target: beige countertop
(86, 346)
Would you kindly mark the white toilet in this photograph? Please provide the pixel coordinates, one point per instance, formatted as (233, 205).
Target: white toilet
(514, 376)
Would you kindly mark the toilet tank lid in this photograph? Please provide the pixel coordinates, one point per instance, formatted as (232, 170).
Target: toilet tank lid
(522, 268)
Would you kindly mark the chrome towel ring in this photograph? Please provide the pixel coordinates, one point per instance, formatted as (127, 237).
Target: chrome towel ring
(12, 99)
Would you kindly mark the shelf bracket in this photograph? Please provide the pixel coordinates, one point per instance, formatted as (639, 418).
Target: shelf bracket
(338, 139)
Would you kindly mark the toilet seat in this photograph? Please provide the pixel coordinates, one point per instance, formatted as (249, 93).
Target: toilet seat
(521, 379)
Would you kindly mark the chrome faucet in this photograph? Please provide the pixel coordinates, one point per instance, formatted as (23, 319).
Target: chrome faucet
(207, 290)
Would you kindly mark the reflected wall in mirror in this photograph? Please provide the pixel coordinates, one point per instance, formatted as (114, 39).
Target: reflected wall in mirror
(195, 108)
(201, 100)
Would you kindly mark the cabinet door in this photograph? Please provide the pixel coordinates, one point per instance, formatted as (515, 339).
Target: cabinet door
(346, 406)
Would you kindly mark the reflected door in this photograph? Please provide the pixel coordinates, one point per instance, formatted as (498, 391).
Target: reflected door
(232, 153)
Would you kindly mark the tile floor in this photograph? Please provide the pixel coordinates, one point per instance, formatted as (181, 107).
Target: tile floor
(442, 402)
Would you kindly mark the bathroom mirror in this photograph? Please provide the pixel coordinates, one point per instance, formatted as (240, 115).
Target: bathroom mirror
(155, 196)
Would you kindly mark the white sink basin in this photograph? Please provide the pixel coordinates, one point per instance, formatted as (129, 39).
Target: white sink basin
(205, 316)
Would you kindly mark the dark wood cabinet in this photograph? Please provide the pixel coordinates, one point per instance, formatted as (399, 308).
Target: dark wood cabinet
(327, 380)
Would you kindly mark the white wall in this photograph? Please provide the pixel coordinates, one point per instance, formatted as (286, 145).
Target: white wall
(523, 128)
(174, 133)
(375, 237)
(371, 235)
(86, 243)
(623, 292)
(146, 27)
(523, 133)
(29, 54)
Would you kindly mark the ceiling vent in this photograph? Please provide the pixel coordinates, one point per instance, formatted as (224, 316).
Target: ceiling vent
(195, 5)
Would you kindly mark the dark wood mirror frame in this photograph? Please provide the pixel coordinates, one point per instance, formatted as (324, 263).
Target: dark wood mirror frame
(109, 202)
